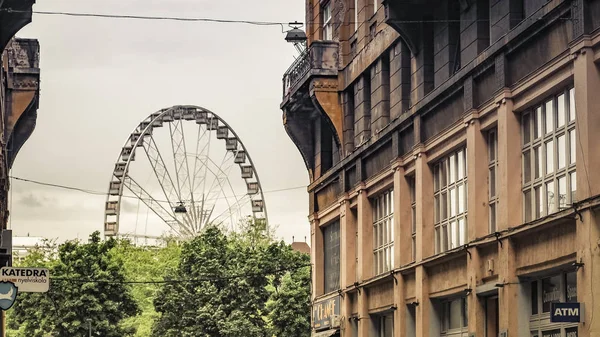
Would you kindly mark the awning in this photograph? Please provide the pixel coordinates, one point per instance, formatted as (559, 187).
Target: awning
(326, 333)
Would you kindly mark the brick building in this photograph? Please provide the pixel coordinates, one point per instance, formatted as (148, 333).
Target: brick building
(452, 152)
(19, 90)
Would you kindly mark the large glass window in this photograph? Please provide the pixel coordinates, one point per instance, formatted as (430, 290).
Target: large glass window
(549, 140)
(331, 256)
(327, 22)
(493, 178)
(454, 320)
(450, 201)
(384, 325)
(383, 232)
(545, 291)
(355, 15)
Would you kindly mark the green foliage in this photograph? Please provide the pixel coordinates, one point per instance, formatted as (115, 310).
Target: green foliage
(289, 305)
(216, 301)
(223, 285)
(67, 307)
(143, 264)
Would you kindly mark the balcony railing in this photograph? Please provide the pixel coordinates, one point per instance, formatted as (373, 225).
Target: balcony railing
(296, 72)
(320, 59)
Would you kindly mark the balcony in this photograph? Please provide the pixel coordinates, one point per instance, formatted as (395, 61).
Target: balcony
(320, 60)
(22, 65)
(311, 97)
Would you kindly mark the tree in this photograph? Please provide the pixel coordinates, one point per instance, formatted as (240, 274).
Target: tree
(88, 284)
(221, 285)
(147, 263)
(289, 305)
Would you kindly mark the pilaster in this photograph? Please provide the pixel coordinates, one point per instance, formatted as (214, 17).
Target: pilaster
(588, 252)
(424, 207)
(587, 101)
(510, 200)
(508, 294)
(365, 237)
(316, 257)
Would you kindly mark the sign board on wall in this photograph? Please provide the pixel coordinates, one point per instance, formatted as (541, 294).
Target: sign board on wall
(566, 313)
(324, 312)
(27, 280)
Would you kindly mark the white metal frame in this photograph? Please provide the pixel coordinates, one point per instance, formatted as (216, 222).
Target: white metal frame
(383, 232)
(450, 201)
(185, 184)
(548, 159)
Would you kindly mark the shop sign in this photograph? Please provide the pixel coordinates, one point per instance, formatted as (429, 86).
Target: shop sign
(566, 313)
(324, 312)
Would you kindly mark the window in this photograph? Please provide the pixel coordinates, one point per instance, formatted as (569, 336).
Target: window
(355, 15)
(450, 201)
(545, 291)
(493, 178)
(413, 221)
(454, 320)
(383, 232)
(384, 325)
(331, 256)
(327, 22)
(549, 140)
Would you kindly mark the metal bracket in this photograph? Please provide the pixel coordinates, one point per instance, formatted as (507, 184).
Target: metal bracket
(498, 235)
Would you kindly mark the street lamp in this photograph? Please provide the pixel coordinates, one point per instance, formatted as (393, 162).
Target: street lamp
(296, 36)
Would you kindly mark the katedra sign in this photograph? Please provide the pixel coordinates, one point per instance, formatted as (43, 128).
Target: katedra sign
(27, 280)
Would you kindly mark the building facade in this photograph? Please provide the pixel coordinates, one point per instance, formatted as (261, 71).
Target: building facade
(452, 152)
(19, 90)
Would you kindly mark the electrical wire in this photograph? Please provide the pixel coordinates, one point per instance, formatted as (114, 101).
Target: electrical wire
(194, 280)
(124, 196)
(233, 21)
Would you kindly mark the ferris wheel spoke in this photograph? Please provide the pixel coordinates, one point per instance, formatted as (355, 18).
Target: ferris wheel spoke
(199, 162)
(155, 206)
(235, 208)
(221, 174)
(180, 158)
(160, 170)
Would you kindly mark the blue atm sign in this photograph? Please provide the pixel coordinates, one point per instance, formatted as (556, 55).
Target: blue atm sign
(566, 313)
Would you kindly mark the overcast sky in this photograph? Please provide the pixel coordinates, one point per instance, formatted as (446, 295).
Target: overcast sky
(101, 77)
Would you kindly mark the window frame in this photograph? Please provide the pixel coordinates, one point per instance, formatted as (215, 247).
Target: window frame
(444, 186)
(539, 322)
(541, 172)
(413, 218)
(446, 316)
(383, 231)
(492, 139)
(327, 19)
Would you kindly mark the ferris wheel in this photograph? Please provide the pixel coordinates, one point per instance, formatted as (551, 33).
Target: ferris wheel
(177, 173)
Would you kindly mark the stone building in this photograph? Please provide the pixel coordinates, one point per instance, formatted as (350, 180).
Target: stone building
(19, 89)
(452, 149)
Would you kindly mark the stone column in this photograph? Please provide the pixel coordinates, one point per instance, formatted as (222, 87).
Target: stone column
(365, 258)
(477, 208)
(587, 103)
(402, 245)
(365, 237)
(348, 238)
(510, 200)
(316, 257)
(425, 240)
(509, 210)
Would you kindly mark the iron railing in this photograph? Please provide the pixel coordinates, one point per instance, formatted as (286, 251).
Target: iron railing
(296, 72)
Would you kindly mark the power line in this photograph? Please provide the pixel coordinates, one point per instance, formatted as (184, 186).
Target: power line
(233, 21)
(148, 17)
(194, 280)
(77, 189)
